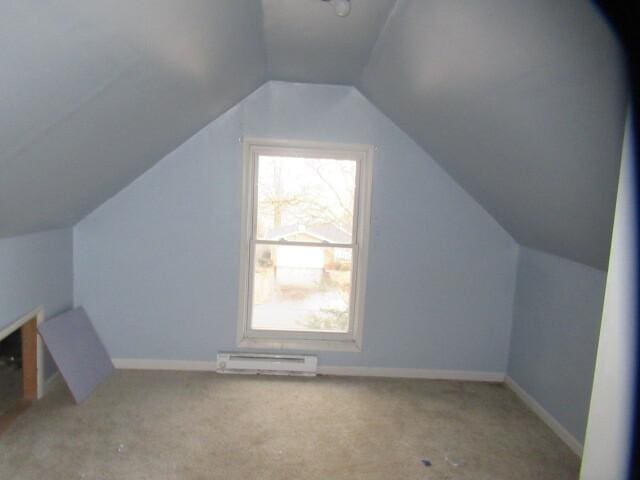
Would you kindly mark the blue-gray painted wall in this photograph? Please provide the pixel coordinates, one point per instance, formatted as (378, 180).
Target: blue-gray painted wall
(36, 270)
(556, 321)
(156, 266)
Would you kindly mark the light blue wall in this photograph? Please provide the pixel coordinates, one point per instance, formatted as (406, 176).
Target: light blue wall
(556, 320)
(157, 265)
(36, 270)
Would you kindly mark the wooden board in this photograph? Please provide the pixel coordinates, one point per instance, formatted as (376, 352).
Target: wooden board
(29, 360)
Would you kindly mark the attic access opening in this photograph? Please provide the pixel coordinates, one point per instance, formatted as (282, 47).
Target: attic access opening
(20, 356)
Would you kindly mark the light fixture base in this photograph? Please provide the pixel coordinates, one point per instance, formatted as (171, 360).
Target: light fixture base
(342, 7)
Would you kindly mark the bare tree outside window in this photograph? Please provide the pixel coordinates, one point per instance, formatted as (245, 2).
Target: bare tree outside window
(308, 202)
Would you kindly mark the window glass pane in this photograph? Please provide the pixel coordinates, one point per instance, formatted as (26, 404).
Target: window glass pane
(305, 199)
(301, 288)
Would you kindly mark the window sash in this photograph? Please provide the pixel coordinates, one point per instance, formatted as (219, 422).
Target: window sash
(295, 152)
(301, 153)
(301, 333)
(346, 341)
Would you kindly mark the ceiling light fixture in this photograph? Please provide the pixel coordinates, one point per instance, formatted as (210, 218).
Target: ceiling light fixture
(342, 7)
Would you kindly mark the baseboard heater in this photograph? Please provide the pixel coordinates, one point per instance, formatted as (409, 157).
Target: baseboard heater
(267, 364)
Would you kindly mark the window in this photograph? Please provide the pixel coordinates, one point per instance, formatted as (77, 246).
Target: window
(304, 249)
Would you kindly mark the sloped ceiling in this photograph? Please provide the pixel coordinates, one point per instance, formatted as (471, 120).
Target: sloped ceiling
(521, 102)
(93, 93)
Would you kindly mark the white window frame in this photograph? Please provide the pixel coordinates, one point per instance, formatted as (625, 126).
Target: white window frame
(278, 339)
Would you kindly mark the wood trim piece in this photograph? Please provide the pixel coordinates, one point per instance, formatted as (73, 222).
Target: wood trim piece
(29, 360)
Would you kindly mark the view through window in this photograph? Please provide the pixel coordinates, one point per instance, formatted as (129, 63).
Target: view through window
(303, 251)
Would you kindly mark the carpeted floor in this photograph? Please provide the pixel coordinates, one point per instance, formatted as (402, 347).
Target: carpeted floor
(10, 387)
(177, 425)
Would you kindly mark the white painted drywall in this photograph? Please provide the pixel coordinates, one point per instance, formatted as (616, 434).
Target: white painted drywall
(156, 266)
(608, 441)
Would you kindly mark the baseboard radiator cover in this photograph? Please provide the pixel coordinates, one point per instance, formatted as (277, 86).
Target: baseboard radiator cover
(266, 364)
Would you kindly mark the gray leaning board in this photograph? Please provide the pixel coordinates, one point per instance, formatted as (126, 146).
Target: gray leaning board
(78, 352)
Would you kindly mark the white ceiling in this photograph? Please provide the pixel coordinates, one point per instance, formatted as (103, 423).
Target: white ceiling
(521, 102)
(307, 42)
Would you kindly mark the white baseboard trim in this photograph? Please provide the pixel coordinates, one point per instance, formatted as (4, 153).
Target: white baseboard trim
(181, 365)
(545, 416)
(470, 376)
(210, 366)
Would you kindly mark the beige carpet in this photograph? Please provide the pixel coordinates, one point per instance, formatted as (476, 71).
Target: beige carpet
(176, 425)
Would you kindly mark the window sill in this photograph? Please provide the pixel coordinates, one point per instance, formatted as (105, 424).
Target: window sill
(300, 344)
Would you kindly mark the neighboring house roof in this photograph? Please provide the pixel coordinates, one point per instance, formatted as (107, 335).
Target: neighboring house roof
(326, 232)
(521, 102)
